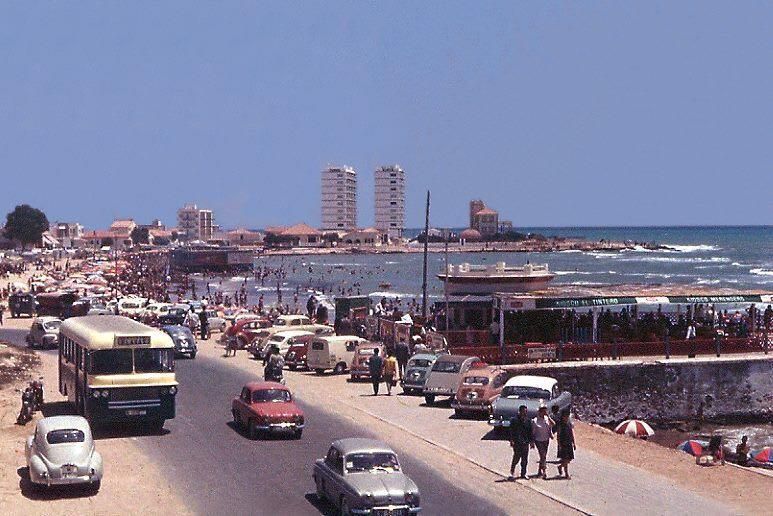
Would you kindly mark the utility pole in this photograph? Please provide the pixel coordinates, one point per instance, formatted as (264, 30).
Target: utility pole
(426, 250)
(445, 278)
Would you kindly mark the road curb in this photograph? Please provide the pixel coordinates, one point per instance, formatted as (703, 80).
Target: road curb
(534, 488)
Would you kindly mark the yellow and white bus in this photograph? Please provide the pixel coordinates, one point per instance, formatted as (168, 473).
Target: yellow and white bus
(116, 370)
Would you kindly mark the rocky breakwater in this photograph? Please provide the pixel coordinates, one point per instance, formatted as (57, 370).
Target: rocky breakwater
(712, 390)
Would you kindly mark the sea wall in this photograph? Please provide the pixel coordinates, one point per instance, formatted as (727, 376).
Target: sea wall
(718, 390)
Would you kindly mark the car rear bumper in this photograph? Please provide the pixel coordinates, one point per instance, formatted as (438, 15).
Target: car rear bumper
(280, 427)
(470, 407)
(499, 422)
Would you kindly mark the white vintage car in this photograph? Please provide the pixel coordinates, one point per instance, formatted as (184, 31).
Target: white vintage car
(61, 452)
(44, 332)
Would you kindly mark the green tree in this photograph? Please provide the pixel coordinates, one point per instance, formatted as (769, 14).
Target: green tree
(26, 224)
(140, 235)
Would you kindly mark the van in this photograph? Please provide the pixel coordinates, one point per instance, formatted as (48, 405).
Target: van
(333, 352)
(282, 339)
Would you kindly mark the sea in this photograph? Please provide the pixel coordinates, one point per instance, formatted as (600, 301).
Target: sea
(726, 256)
(731, 257)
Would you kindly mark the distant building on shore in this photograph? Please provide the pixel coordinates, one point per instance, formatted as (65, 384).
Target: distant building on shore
(195, 223)
(390, 200)
(483, 219)
(69, 234)
(339, 198)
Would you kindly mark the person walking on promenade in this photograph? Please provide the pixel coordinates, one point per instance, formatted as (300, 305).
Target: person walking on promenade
(403, 353)
(204, 324)
(2, 311)
(566, 444)
(543, 433)
(376, 367)
(390, 369)
(521, 438)
(556, 417)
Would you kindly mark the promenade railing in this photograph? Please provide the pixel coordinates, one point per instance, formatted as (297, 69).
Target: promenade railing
(667, 348)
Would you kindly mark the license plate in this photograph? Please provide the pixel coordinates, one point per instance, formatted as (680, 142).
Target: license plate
(136, 412)
(69, 471)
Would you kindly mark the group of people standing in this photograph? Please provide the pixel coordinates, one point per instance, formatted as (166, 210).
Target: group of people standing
(537, 433)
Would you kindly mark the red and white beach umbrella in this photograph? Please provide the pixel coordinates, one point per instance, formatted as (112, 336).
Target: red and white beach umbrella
(635, 428)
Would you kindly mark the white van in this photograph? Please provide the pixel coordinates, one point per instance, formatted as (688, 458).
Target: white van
(334, 352)
(131, 306)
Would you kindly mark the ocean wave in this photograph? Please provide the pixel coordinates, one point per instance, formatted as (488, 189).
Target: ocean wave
(603, 255)
(761, 272)
(705, 281)
(570, 251)
(692, 248)
(388, 294)
(674, 259)
(582, 273)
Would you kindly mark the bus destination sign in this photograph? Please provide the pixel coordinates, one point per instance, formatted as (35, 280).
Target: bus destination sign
(129, 340)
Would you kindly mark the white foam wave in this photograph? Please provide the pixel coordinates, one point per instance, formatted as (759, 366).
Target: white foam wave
(704, 281)
(604, 255)
(761, 272)
(388, 294)
(692, 248)
(570, 251)
(674, 259)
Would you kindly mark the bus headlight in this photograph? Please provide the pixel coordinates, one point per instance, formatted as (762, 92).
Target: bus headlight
(95, 393)
(105, 393)
(172, 390)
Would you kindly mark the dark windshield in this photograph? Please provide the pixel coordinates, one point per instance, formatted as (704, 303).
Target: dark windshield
(476, 380)
(53, 325)
(529, 393)
(271, 396)
(356, 462)
(153, 360)
(111, 361)
(446, 367)
(65, 436)
(419, 362)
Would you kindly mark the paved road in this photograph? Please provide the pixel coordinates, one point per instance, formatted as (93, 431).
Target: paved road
(220, 471)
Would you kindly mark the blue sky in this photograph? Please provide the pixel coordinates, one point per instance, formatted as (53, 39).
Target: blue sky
(602, 113)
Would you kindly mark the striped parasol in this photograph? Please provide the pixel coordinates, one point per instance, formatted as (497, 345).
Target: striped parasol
(634, 428)
(692, 447)
(764, 455)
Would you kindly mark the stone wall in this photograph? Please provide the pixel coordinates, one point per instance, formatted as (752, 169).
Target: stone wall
(722, 389)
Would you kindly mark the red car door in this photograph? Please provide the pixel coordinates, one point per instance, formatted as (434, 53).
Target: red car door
(244, 405)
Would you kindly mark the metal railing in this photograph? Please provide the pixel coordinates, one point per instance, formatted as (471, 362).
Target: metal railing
(538, 352)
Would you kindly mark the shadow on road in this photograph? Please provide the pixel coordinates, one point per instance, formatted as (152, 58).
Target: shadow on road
(262, 436)
(495, 435)
(35, 492)
(58, 408)
(323, 506)
(121, 430)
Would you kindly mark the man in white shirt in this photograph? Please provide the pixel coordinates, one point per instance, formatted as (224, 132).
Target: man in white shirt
(543, 432)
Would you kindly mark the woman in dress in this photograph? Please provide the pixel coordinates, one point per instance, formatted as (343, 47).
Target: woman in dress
(566, 445)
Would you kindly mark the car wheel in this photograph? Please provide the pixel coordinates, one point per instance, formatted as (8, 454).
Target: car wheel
(429, 399)
(319, 371)
(94, 487)
(292, 367)
(320, 487)
(193, 355)
(345, 507)
(156, 426)
(298, 433)
(252, 430)
(339, 369)
(237, 421)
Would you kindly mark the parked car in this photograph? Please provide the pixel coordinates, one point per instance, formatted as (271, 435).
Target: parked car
(478, 389)
(363, 476)
(153, 311)
(531, 391)
(132, 307)
(295, 358)
(61, 451)
(333, 352)
(267, 407)
(184, 340)
(416, 372)
(44, 332)
(282, 339)
(175, 315)
(263, 335)
(22, 303)
(244, 331)
(215, 321)
(446, 373)
(359, 367)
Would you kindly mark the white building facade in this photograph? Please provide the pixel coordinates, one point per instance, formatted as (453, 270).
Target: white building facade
(339, 198)
(196, 223)
(390, 200)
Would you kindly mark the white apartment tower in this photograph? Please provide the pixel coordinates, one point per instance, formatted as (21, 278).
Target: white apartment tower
(195, 223)
(339, 198)
(390, 200)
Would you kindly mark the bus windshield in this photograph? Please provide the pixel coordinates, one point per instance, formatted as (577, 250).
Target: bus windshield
(126, 361)
(150, 360)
